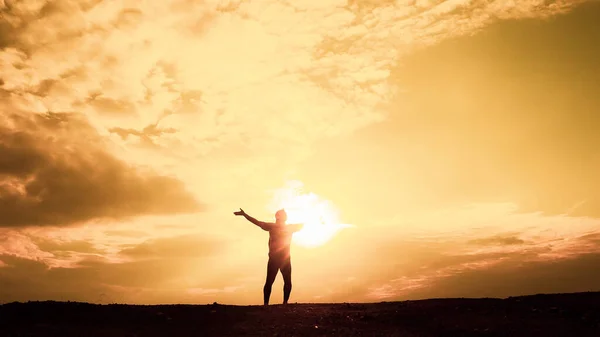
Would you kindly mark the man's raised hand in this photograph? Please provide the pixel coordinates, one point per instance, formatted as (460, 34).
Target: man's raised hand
(240, 212)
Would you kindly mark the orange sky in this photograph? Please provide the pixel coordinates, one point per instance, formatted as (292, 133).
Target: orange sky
(458, 138)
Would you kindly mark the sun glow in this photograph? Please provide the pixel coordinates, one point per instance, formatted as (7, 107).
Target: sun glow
(319, 217)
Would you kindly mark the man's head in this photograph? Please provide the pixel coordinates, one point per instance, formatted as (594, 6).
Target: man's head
(281, 216)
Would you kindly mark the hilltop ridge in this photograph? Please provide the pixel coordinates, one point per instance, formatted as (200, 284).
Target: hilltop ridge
(575, 314)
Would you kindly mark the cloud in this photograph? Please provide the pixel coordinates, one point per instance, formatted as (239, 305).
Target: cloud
(23, 279)
(164, 270)
(105, 242)
(186, 246)
(146, 135)
(269, 74)
(576, 274)
(391, 262)
(55, 170)
(498, 240)
(72, 246)
(424, 254)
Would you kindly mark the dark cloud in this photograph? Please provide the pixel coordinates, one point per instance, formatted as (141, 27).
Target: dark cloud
(10, 25)
(110, 106)
(7, 37)
(55, 171)
(128, 18)
(593, 238)
(79, 246)
(175, 247)
(146, 135)
(154, 264)
(16, 19)
(525, 278)
(447, 268)
(23, 279)
(126, 233)
(498, 240)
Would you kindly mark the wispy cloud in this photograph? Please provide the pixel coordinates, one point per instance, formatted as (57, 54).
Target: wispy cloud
(219, 72)
(477, 238)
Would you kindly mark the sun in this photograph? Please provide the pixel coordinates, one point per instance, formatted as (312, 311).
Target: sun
(320, 218)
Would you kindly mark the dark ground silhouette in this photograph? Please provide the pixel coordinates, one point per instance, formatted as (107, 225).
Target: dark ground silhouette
(539, 315)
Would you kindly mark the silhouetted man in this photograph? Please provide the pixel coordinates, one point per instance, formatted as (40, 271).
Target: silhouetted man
(280, 238)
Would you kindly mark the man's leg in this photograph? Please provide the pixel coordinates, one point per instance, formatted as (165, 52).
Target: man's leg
(272, 268)
(286, 272)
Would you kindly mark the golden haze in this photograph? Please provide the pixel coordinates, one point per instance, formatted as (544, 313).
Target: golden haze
(449, 146)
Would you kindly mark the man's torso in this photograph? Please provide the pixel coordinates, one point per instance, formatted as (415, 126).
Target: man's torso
(280, 239)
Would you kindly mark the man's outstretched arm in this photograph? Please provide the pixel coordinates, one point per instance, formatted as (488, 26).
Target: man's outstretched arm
(261, 224)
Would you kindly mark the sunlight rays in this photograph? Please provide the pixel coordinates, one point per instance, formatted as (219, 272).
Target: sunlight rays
(319, 216)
